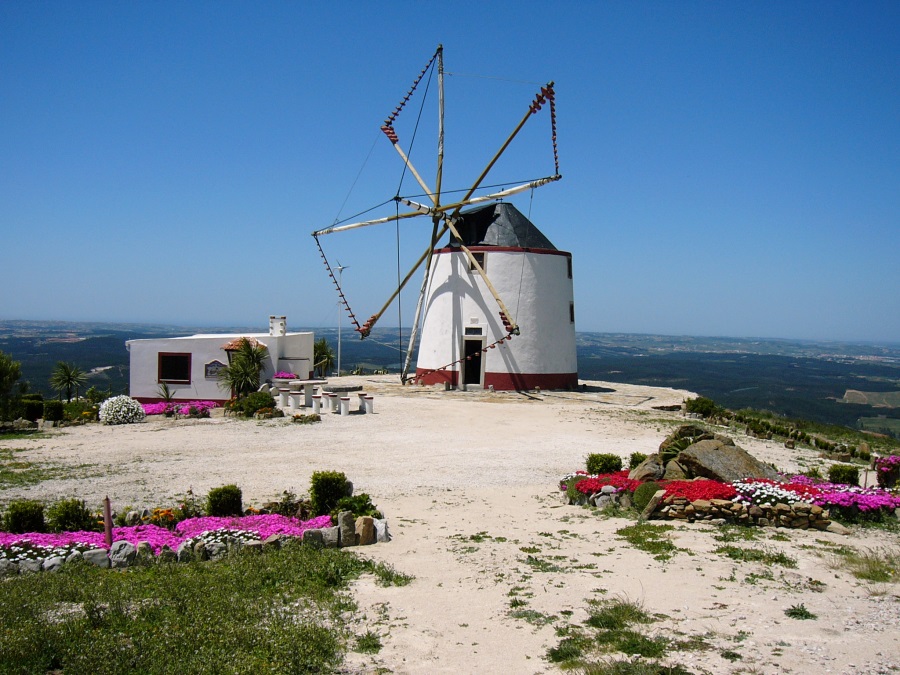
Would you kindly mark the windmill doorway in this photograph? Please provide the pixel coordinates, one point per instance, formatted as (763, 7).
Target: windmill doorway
(472, 366)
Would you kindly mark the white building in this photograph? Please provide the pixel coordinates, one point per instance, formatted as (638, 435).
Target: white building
(190, 365)
(464, 341)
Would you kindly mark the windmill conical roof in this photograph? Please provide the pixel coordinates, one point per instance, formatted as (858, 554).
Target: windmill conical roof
(500, 224)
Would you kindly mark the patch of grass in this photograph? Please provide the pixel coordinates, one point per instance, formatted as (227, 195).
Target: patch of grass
(881, 565)
(639, 667)
(730, 655)
(650, 538)
(763, 555)
(615, 614)
(799, 612)
(368, 643)
(633, 643)
(19, 473)
(533, 616)
(388, 576)
(539, 565)
(730, 533)
(284, 611)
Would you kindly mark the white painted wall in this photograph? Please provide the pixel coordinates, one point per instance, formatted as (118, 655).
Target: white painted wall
(534, 286)
(290, 352)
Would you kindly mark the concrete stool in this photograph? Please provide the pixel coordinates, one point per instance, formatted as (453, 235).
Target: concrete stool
(362, 402)
(283, 397)
(345, 406)
(332, 402)
(294, 398)
(316, 404)
(370, 404)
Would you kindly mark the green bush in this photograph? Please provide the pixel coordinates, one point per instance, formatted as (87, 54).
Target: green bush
(24, 515)
(81, 409)
(224, 501)
(635, 460)
(32, 410)
(571, 491)
(705, 407)
(326, 490)
(53, 411)
(71, 515)
(250, 404)
(358, 505)
(644, 494)
(843, 473)
(603, 463)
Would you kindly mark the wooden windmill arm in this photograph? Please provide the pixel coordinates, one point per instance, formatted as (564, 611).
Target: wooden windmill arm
(365, 223)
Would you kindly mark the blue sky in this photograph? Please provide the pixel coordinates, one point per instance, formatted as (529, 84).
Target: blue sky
(729, 169)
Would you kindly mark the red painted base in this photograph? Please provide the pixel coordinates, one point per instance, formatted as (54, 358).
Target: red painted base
(503, 381)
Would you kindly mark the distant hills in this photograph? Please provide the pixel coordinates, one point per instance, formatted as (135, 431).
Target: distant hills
(851, 384)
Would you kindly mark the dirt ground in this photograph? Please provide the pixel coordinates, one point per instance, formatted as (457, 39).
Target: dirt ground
(468, 482)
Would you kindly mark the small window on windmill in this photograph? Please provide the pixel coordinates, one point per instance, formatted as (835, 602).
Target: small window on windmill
(474, 330)
(569, 265)
(571, 312)
(479, 258)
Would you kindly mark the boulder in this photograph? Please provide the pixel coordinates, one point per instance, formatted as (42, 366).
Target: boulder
(200, 551)
(122, 554)
(674, 471)
(347, 525)
(381, 530)
(650, 469)
(28, 566)
(714, 459)
(144, 552)
(8, 568)
(314, 538)
(652, 504)
(365, 530)
(166, 555)
(73, 556)
(332, 536)
(53, 564)
(185, 552)
(217, 550)
(273, 541)
(684, 431)
(96, 556)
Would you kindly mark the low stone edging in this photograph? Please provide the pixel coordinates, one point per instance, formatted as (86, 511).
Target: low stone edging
(362, 531)
(799, 515)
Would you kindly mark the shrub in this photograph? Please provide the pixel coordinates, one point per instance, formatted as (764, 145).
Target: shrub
(121, 410)
(53, 411)
(81, 409)
(843, 473)
(635, 460)
(32, 409)
(24, 515)
(358, 505)
(603, 463)
(70, 515)
(326, 490)
(644, 493)
(224, 501)
(705, 407)
(250, 404)
(572, 488)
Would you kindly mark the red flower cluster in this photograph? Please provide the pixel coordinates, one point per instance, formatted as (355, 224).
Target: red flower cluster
(619, 479)
(699, 489)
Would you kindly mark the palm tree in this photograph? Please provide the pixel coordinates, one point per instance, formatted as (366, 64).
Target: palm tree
(67, 377)
(241, 375)
(323, 357)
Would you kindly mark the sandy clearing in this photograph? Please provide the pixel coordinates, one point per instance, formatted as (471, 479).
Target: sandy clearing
(467, 481)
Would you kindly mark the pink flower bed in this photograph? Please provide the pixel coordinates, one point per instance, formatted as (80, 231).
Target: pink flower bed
(157, 537)
(179, 408)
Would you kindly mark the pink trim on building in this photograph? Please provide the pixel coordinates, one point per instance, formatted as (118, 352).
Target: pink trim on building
(503, 381)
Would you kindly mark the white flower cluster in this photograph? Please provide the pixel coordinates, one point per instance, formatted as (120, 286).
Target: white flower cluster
(121, 410)
(225, 536)
(763, 494)
(28, 551)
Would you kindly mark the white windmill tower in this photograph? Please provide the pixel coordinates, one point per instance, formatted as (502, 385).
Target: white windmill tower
(496, 303)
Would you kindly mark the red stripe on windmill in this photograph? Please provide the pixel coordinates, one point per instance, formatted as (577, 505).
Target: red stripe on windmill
(496, 278)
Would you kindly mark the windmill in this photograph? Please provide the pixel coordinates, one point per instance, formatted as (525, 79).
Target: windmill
(494, 255)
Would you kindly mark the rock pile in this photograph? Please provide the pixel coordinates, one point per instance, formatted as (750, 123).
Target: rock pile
(799, 515)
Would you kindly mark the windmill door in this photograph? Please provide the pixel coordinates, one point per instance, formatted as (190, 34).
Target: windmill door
(472, 365)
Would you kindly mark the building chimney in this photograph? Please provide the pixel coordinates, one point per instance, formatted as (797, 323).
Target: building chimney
(277, 325)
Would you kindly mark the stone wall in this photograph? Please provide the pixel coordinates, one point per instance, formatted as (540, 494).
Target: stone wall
(799, 515)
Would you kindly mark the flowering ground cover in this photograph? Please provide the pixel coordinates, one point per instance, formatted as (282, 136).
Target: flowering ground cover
(179, 408)
(847, 500)
(38, 545)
